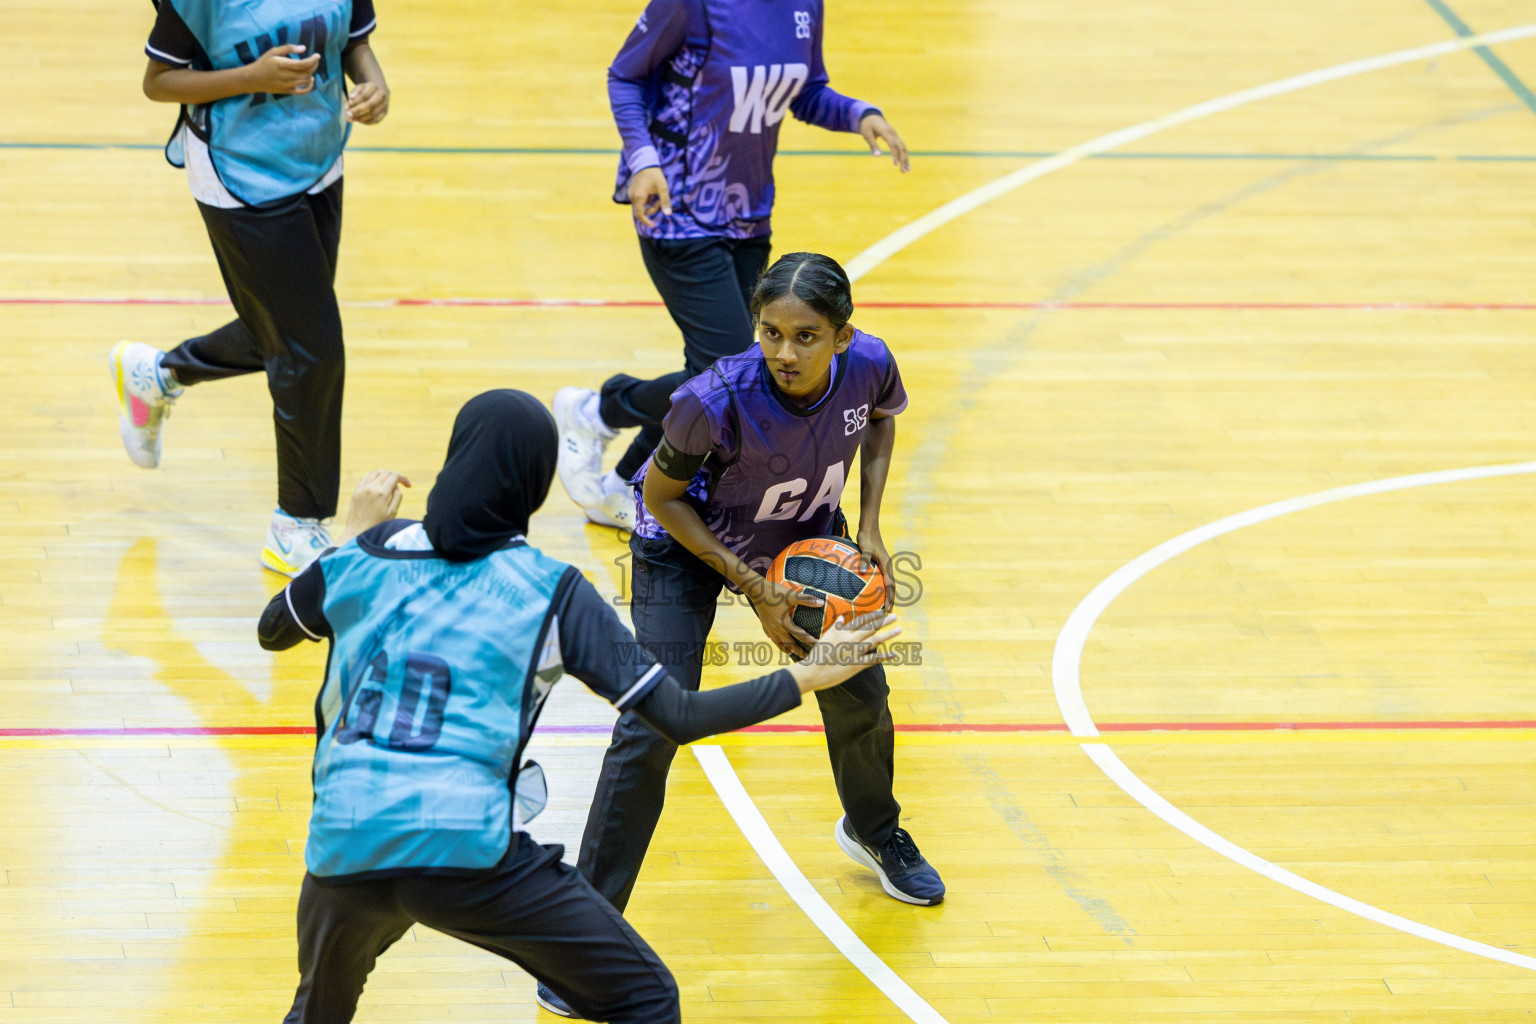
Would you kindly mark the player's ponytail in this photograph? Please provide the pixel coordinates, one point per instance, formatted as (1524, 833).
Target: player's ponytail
(814, 279)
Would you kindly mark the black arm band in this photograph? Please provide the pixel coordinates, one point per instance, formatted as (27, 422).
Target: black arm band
(675, 464)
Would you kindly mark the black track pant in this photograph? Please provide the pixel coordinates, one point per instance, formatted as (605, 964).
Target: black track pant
(673, 608)
(279, 267)
(533, 910)
(706, 284)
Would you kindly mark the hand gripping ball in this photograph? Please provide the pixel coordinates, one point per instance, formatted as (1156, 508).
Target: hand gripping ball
(828, 567)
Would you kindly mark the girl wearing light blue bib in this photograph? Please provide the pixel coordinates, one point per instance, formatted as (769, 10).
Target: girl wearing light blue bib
(264, 117)
(446, 637)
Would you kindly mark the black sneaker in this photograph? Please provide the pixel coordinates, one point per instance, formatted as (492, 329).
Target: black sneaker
(553, 1003)
(903, 872)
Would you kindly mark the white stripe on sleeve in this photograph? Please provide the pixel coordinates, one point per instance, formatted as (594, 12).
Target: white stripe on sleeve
(166, 58)
(288, 597)
(640, 685)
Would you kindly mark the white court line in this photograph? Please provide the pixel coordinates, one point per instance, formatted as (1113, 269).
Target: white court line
(1066, 664)
(904, 236)
(898, 240)
(750, 820)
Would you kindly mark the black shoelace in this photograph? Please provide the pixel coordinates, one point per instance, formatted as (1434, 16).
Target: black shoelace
(902, 845)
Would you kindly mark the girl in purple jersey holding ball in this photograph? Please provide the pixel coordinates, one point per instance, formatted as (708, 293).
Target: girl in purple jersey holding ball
(753, 457)
(699, 92)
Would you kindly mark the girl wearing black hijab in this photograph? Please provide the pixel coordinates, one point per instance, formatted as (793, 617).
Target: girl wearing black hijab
(446, 637)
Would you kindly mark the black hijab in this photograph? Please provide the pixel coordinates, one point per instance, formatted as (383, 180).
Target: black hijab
(501, 459)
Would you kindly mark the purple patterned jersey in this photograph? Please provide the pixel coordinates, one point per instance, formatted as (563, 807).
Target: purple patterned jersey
(700, 88)
(775, 472)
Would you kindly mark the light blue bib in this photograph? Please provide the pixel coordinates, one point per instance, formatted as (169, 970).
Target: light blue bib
(264, 146)
(437, 674)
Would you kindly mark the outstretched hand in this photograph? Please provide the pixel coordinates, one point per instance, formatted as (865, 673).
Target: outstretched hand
(845, 650)
(376, 500)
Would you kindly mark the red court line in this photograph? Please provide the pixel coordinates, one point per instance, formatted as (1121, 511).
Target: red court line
(1382, 307)
(84, 301)
(1305, 726)
(937, 727)
(232, 730)
(1390, 307)
(952, 727)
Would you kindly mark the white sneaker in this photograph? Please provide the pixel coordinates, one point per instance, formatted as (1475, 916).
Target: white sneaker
(142, 402)
(582, 440)
(616, 509)
(293, 543)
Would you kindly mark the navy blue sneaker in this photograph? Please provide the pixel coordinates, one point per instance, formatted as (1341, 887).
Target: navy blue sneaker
(903, 872)
(551, 1002)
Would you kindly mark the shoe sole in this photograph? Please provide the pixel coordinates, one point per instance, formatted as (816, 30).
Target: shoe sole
(115, 368)
(554, 1009)
(277, 563)
(565, 425)
(861, 855)
(599, 517)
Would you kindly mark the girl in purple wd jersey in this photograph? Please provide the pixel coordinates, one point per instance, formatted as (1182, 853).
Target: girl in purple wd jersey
(698, 92)
(753, 457)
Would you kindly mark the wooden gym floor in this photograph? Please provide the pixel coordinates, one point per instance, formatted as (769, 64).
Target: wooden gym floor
(1278, 771)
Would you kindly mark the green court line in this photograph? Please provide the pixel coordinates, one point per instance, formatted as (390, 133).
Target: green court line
(982, 154)
(1490, 58)
(935, 153)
